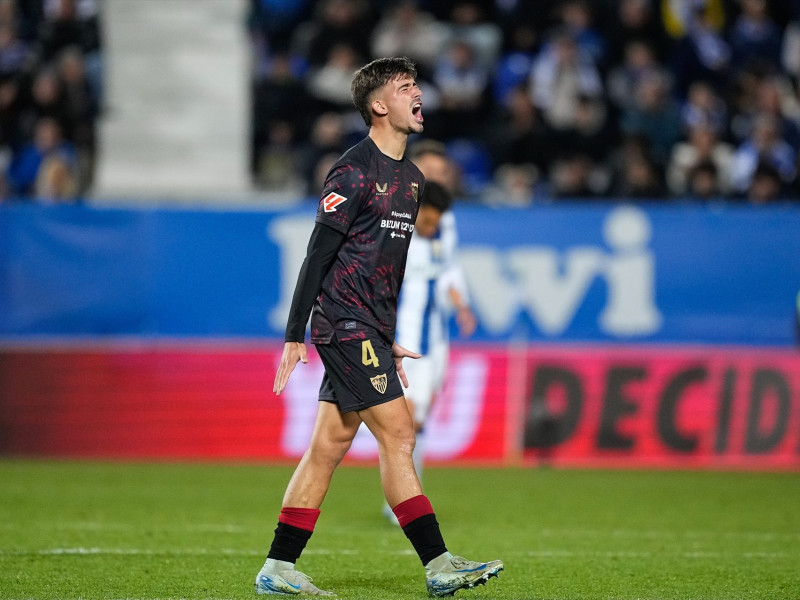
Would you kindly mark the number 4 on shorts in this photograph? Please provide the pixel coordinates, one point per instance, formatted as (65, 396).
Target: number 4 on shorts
(368, 356)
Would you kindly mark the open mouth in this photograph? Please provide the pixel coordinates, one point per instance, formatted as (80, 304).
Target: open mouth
(416, 110)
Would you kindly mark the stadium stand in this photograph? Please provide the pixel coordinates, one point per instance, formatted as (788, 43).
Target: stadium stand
(604, 99)
(50, 97)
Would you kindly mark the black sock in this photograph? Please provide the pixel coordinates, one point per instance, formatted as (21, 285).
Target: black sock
(423, 533)
(288, 543)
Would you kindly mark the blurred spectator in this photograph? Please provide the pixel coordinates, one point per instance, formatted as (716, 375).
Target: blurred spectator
(742, 99)
(80, 110)
(571, 177)
(577, 19)
(703, 146)
(15, 54)
(589, 132)
(327, 139)
(639, 179)
(704, 108)
(635, 21)
(276, 168)
(406, 30)
(512, 185)
(515, 63)
(57, 180)
(273, 22)
(790, 49)
(701, 53)
(470, 22)
(329, 84)
(765, 186)
(764, 146)
(73, 23)
(45, 100)
(47, 148)
(623, 79)
(772, 96)
(334, 22)
(320, 173)
(279, 95)
(463, 85)
(654, 115)
(517, 135)
(755, 37)
(540, 15)
(680, 16)
(11, 107)
(703, 182)
(10, 17)
(562, 73)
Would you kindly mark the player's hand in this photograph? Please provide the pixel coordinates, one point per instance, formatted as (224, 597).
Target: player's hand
(398, 354)
(293, 352)
(466, 321)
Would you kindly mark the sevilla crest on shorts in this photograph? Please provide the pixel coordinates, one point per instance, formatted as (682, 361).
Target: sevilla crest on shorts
(379, 383)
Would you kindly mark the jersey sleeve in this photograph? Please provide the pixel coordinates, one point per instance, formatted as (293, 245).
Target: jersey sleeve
(322, 249)
(344, 190)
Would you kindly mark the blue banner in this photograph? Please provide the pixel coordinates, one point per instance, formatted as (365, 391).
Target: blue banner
(722, 274)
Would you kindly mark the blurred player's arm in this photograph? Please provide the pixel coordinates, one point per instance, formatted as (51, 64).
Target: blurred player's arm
(453, 281)
(323, 246)
(465, 318)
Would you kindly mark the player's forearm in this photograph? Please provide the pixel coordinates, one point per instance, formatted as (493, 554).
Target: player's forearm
(458, 300)
(322, 250)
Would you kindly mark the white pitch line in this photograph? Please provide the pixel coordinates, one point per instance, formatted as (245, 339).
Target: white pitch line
(633, 554)
(94, 551)
(190, 527)
(661, 534)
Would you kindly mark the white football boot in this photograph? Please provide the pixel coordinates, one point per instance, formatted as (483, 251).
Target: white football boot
(446, 574)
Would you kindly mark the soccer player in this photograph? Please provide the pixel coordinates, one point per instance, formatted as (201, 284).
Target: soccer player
(351, 277)
(433, 286)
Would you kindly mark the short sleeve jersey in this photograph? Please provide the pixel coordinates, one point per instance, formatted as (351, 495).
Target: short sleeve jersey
(373, 200)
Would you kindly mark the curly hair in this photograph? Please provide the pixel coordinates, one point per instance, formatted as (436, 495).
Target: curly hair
(375, 75)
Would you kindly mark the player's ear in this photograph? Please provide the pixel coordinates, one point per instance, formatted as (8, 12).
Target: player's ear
(379, 107)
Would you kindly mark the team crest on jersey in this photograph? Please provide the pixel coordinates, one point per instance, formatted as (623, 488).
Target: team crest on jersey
(415, 191)
(379, 383)
(331, 201)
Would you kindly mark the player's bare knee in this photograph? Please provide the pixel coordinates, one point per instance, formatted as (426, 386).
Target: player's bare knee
(330, 452)
(402, 441)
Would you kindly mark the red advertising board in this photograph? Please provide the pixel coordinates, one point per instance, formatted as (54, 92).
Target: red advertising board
(213, 402)
(703, 407)
(566, 406)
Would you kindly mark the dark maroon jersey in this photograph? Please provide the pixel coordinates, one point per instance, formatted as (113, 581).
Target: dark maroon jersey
(373, 200)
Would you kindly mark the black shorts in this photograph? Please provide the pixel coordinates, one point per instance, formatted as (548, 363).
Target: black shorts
(358, 373)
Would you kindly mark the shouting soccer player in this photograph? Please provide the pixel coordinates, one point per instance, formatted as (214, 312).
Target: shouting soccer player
(351, 278)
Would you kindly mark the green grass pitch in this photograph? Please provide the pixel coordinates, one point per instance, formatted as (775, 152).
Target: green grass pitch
(72, 530)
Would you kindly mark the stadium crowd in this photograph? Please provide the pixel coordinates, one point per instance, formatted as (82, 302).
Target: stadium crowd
(50, 96)
(545, 99)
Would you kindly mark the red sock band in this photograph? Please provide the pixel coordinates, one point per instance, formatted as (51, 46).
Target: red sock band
(412, 509)
(302, 518)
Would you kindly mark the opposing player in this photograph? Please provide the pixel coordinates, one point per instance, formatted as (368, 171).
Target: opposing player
(352, 276)
(431, 291)
(431, 158)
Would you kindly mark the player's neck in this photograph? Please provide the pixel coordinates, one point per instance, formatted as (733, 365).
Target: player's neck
(389, 141)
